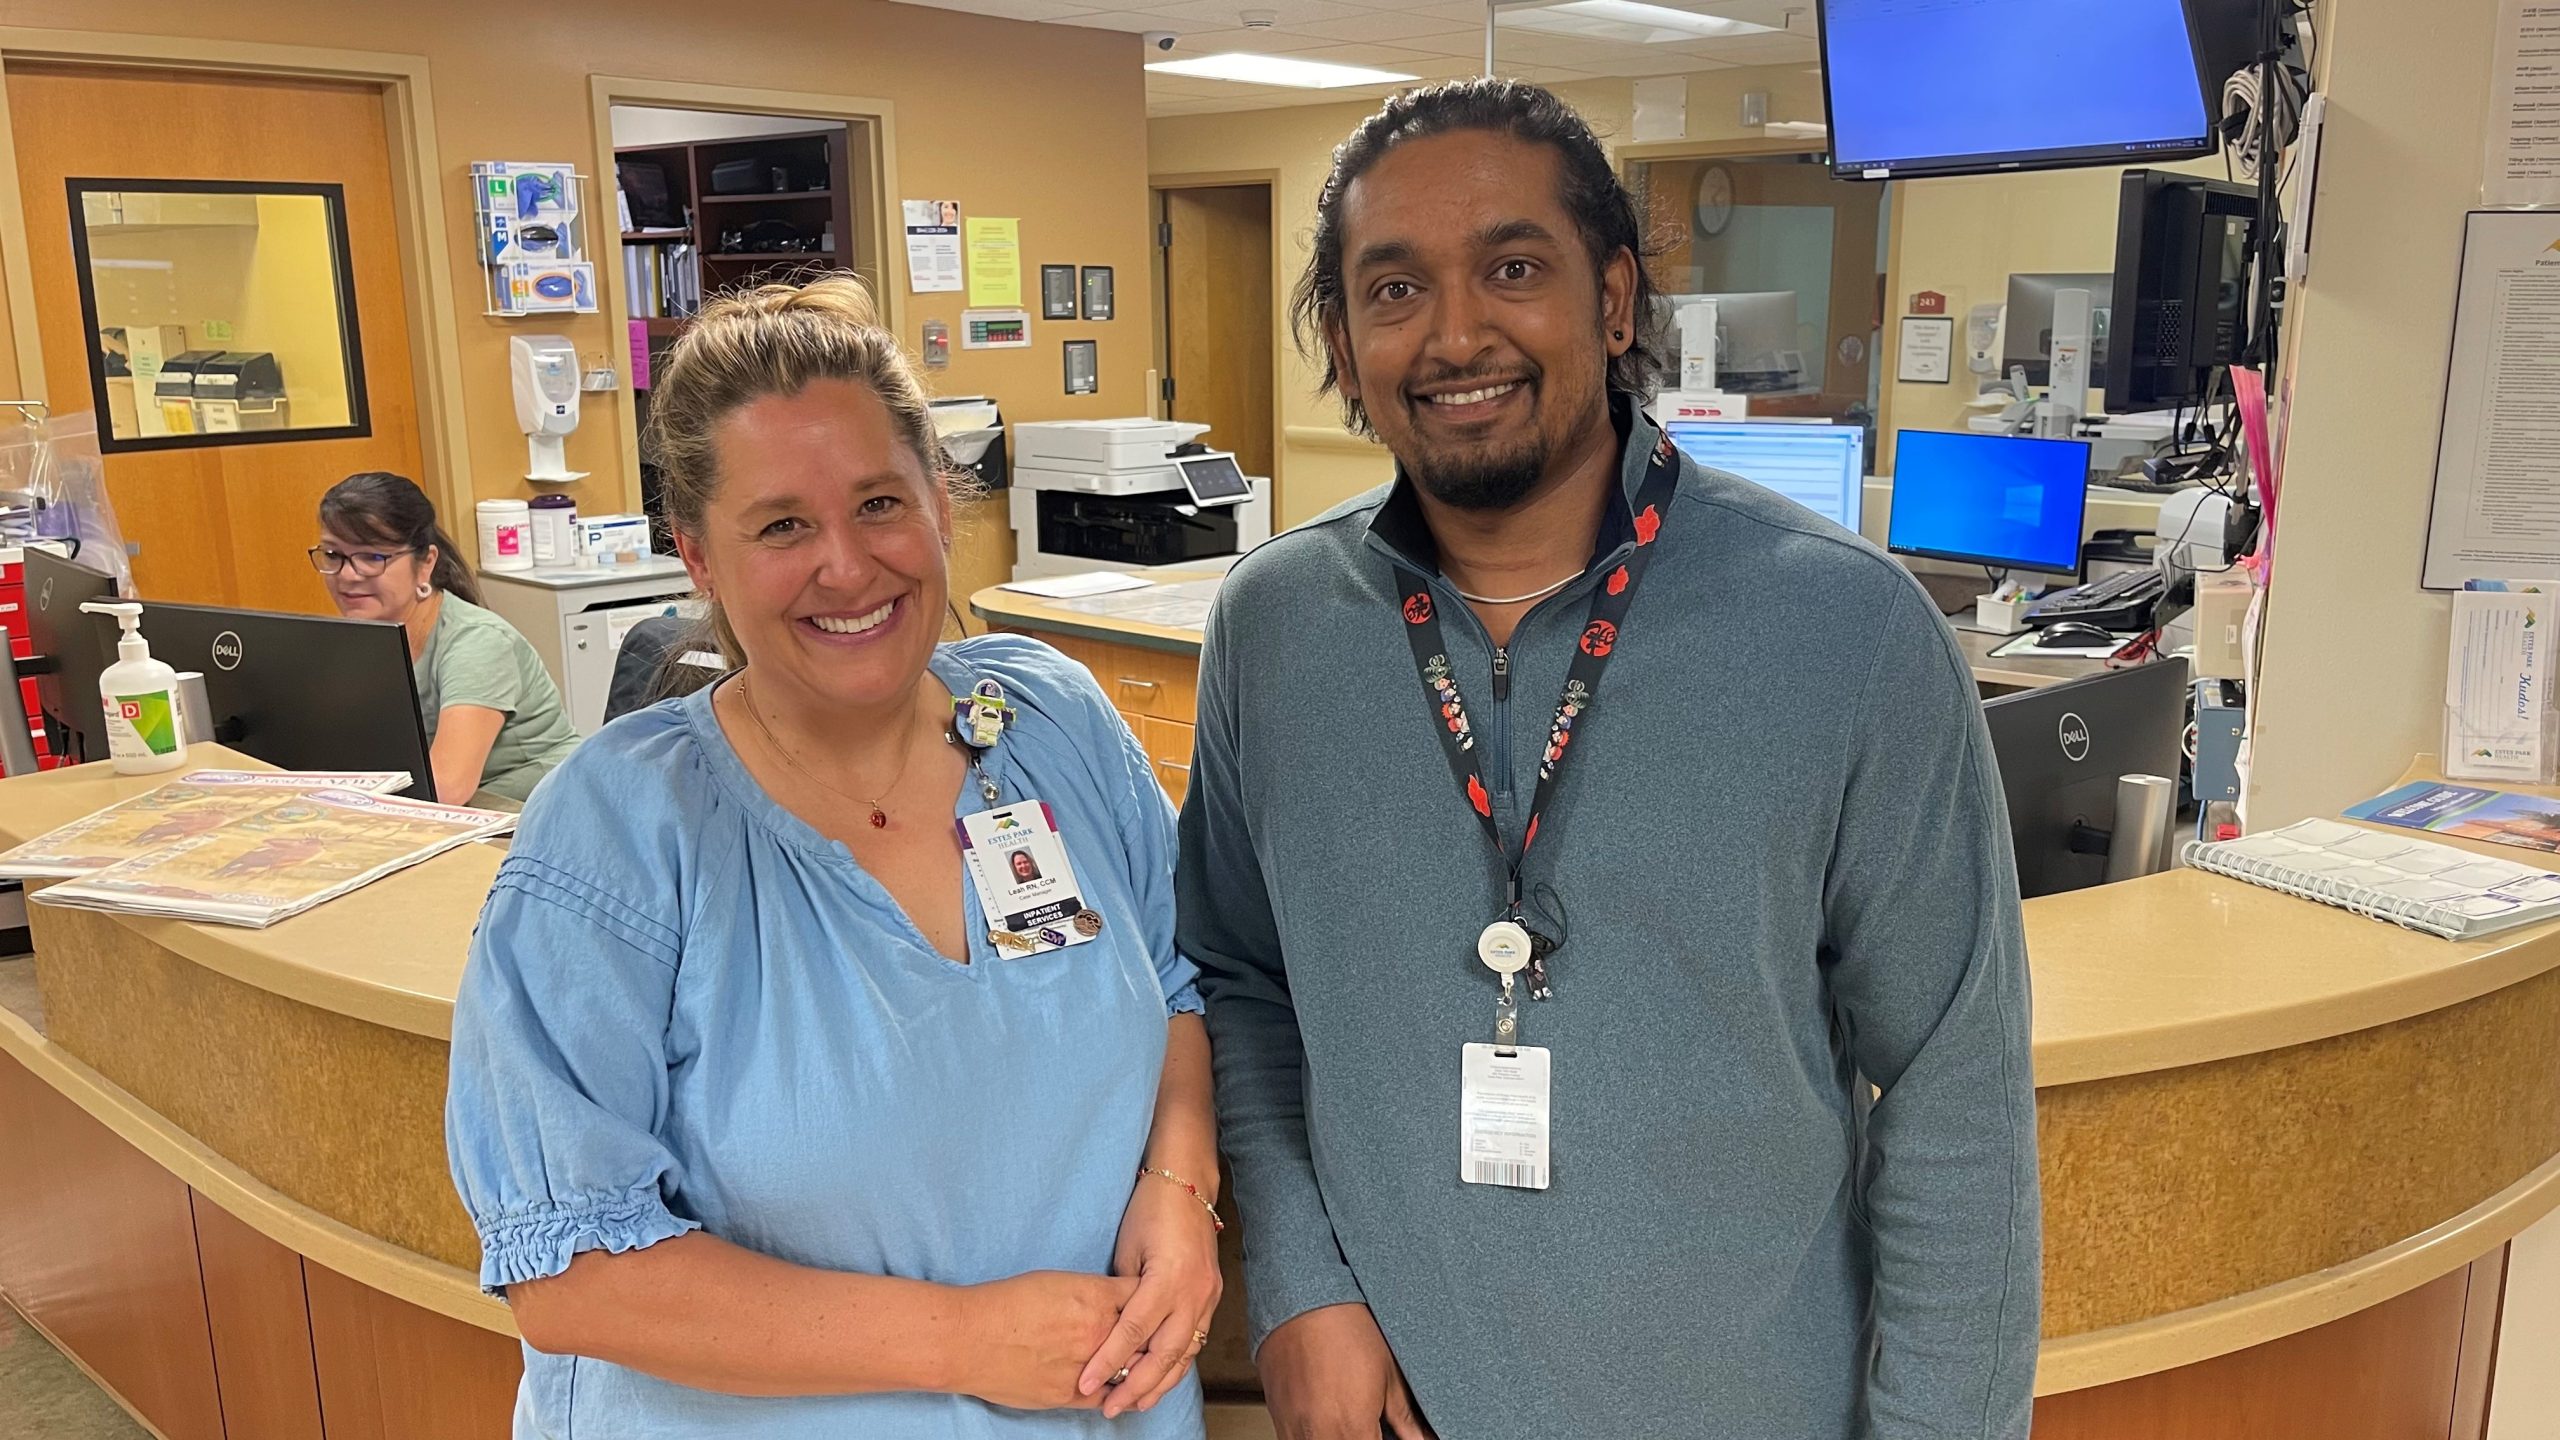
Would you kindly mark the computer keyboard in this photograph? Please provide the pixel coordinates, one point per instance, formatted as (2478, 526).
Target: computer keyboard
(2122, 601)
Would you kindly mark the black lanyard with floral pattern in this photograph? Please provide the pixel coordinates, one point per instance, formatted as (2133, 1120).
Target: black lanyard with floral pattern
(1599, 640)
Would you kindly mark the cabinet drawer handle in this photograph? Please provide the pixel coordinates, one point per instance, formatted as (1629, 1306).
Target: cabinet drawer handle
(1149, 686)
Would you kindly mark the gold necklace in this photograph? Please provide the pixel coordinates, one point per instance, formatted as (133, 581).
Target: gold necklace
(879, 817)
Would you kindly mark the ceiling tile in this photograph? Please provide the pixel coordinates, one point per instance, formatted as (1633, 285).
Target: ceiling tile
(1649, 61)
(1456, 42)
(1464, 12)
(1536, 48)
(1395, 27)
(1249, 42)
(1013, 9)
(1761, 49)
(1301, 15)
(1134, 21)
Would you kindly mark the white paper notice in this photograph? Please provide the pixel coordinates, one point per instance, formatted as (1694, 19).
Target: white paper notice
(2497, 499)
(2523, 163)
(1928, 350)
(933, 246)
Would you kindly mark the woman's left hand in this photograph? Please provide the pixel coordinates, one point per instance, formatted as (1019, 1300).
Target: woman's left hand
(1169, 1243)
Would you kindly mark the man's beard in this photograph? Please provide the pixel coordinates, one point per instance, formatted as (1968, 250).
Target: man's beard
(1484, 481)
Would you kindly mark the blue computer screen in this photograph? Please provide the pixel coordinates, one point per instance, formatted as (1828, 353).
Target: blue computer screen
(1999, 500)
(1956, 84)
(1820, 467)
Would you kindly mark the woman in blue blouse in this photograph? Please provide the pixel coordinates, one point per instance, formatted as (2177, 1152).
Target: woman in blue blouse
(769, 1124)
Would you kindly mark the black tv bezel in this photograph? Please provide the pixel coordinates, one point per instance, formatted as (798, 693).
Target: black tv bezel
(2020, 161)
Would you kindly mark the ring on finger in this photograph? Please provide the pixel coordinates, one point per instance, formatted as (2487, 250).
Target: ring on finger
(1121, 1377)
(1199, 1341)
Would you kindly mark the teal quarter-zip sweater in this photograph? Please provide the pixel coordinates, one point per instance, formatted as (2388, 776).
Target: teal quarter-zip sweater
(1794, 1191)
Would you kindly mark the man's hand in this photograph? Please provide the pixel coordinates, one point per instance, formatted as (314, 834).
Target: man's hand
(1328, 1375)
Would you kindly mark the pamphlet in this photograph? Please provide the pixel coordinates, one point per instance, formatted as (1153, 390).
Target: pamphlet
(2500, 817)
(193, 804)
(280, 861)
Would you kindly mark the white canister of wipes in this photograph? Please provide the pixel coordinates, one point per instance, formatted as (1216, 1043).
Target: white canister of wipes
(555, 530)
(506, 535)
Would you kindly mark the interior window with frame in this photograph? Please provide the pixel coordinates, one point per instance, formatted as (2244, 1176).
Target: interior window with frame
(217, 312)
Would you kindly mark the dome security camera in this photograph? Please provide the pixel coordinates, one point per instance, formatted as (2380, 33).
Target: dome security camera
(1161, 39)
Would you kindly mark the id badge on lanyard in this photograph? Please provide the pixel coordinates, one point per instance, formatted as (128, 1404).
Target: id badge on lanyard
(1504, 1095)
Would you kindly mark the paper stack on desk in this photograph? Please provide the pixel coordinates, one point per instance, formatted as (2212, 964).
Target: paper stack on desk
(279, 861)
(193, 804)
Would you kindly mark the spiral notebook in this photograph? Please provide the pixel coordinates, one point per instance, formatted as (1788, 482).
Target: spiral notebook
(2416, 883)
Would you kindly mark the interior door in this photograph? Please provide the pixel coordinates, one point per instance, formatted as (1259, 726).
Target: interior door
(1218, 336)
(221, 525)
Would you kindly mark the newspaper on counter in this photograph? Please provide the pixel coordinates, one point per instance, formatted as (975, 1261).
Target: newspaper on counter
(281, 861)
(193, 804)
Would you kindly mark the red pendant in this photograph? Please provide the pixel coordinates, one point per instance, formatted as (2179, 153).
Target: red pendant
(879, 818)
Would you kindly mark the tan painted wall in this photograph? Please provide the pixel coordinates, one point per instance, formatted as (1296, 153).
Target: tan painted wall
(2352, 680)
(1320, 465)
(1060, 144)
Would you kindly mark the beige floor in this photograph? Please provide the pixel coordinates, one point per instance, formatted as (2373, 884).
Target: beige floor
(44, 1395)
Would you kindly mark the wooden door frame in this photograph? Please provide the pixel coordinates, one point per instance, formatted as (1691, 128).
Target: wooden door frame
(872, 117)
(1269, 180)
(417, 202)
(1628, 156)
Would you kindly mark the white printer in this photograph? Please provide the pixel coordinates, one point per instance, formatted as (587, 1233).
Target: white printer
(1129, 495)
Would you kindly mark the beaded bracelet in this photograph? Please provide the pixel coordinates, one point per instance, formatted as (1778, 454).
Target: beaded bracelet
(1188, 1188)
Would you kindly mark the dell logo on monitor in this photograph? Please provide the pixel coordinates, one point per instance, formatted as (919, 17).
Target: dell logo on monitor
(2075, 738)
(226, 653)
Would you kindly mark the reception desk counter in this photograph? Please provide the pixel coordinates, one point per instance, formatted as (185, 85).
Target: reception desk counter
(2283, 1147)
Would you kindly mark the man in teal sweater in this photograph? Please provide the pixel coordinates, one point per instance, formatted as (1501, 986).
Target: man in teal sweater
(1599, 880)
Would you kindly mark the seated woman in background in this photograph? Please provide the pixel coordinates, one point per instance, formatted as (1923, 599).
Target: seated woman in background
(495, 724)
(778, 1113)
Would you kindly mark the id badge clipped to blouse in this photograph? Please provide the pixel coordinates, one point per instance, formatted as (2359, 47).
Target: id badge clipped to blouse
(1026, 886)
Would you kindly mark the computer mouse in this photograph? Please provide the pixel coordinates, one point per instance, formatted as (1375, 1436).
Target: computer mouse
(2073, 635)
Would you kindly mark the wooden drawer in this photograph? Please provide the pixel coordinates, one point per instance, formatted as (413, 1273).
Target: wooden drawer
(1154, 683)
(1139, 681)
(1168, 744)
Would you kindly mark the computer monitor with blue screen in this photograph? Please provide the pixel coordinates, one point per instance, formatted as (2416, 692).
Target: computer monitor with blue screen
(2005, 501)
(1985, 85)
(1820, 467)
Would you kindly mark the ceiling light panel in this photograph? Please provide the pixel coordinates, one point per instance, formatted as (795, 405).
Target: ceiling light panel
(1287, 70)
(1628, 22)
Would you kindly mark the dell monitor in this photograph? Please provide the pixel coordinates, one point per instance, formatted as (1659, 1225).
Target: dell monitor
(1820, 467)
(2026, 331)
(80, 647)
(2181, 286)
(301, 692)
(2061, 750)
(1991, 85)
(2004, 501)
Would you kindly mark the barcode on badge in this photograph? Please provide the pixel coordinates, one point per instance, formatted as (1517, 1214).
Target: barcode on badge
(1518, 1174)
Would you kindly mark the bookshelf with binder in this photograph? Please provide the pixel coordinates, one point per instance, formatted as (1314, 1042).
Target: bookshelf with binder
(704, 216)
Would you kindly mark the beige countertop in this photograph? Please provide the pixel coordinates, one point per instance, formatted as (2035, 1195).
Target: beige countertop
(390, 953)
(2172, 970)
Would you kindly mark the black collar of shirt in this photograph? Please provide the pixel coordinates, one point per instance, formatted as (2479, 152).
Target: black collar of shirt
(1400, 526)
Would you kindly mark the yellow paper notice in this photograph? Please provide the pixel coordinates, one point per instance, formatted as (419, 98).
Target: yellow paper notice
(995, 261)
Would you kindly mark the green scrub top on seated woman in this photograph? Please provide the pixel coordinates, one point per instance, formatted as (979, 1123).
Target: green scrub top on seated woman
(473, 657)
(481, 690)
